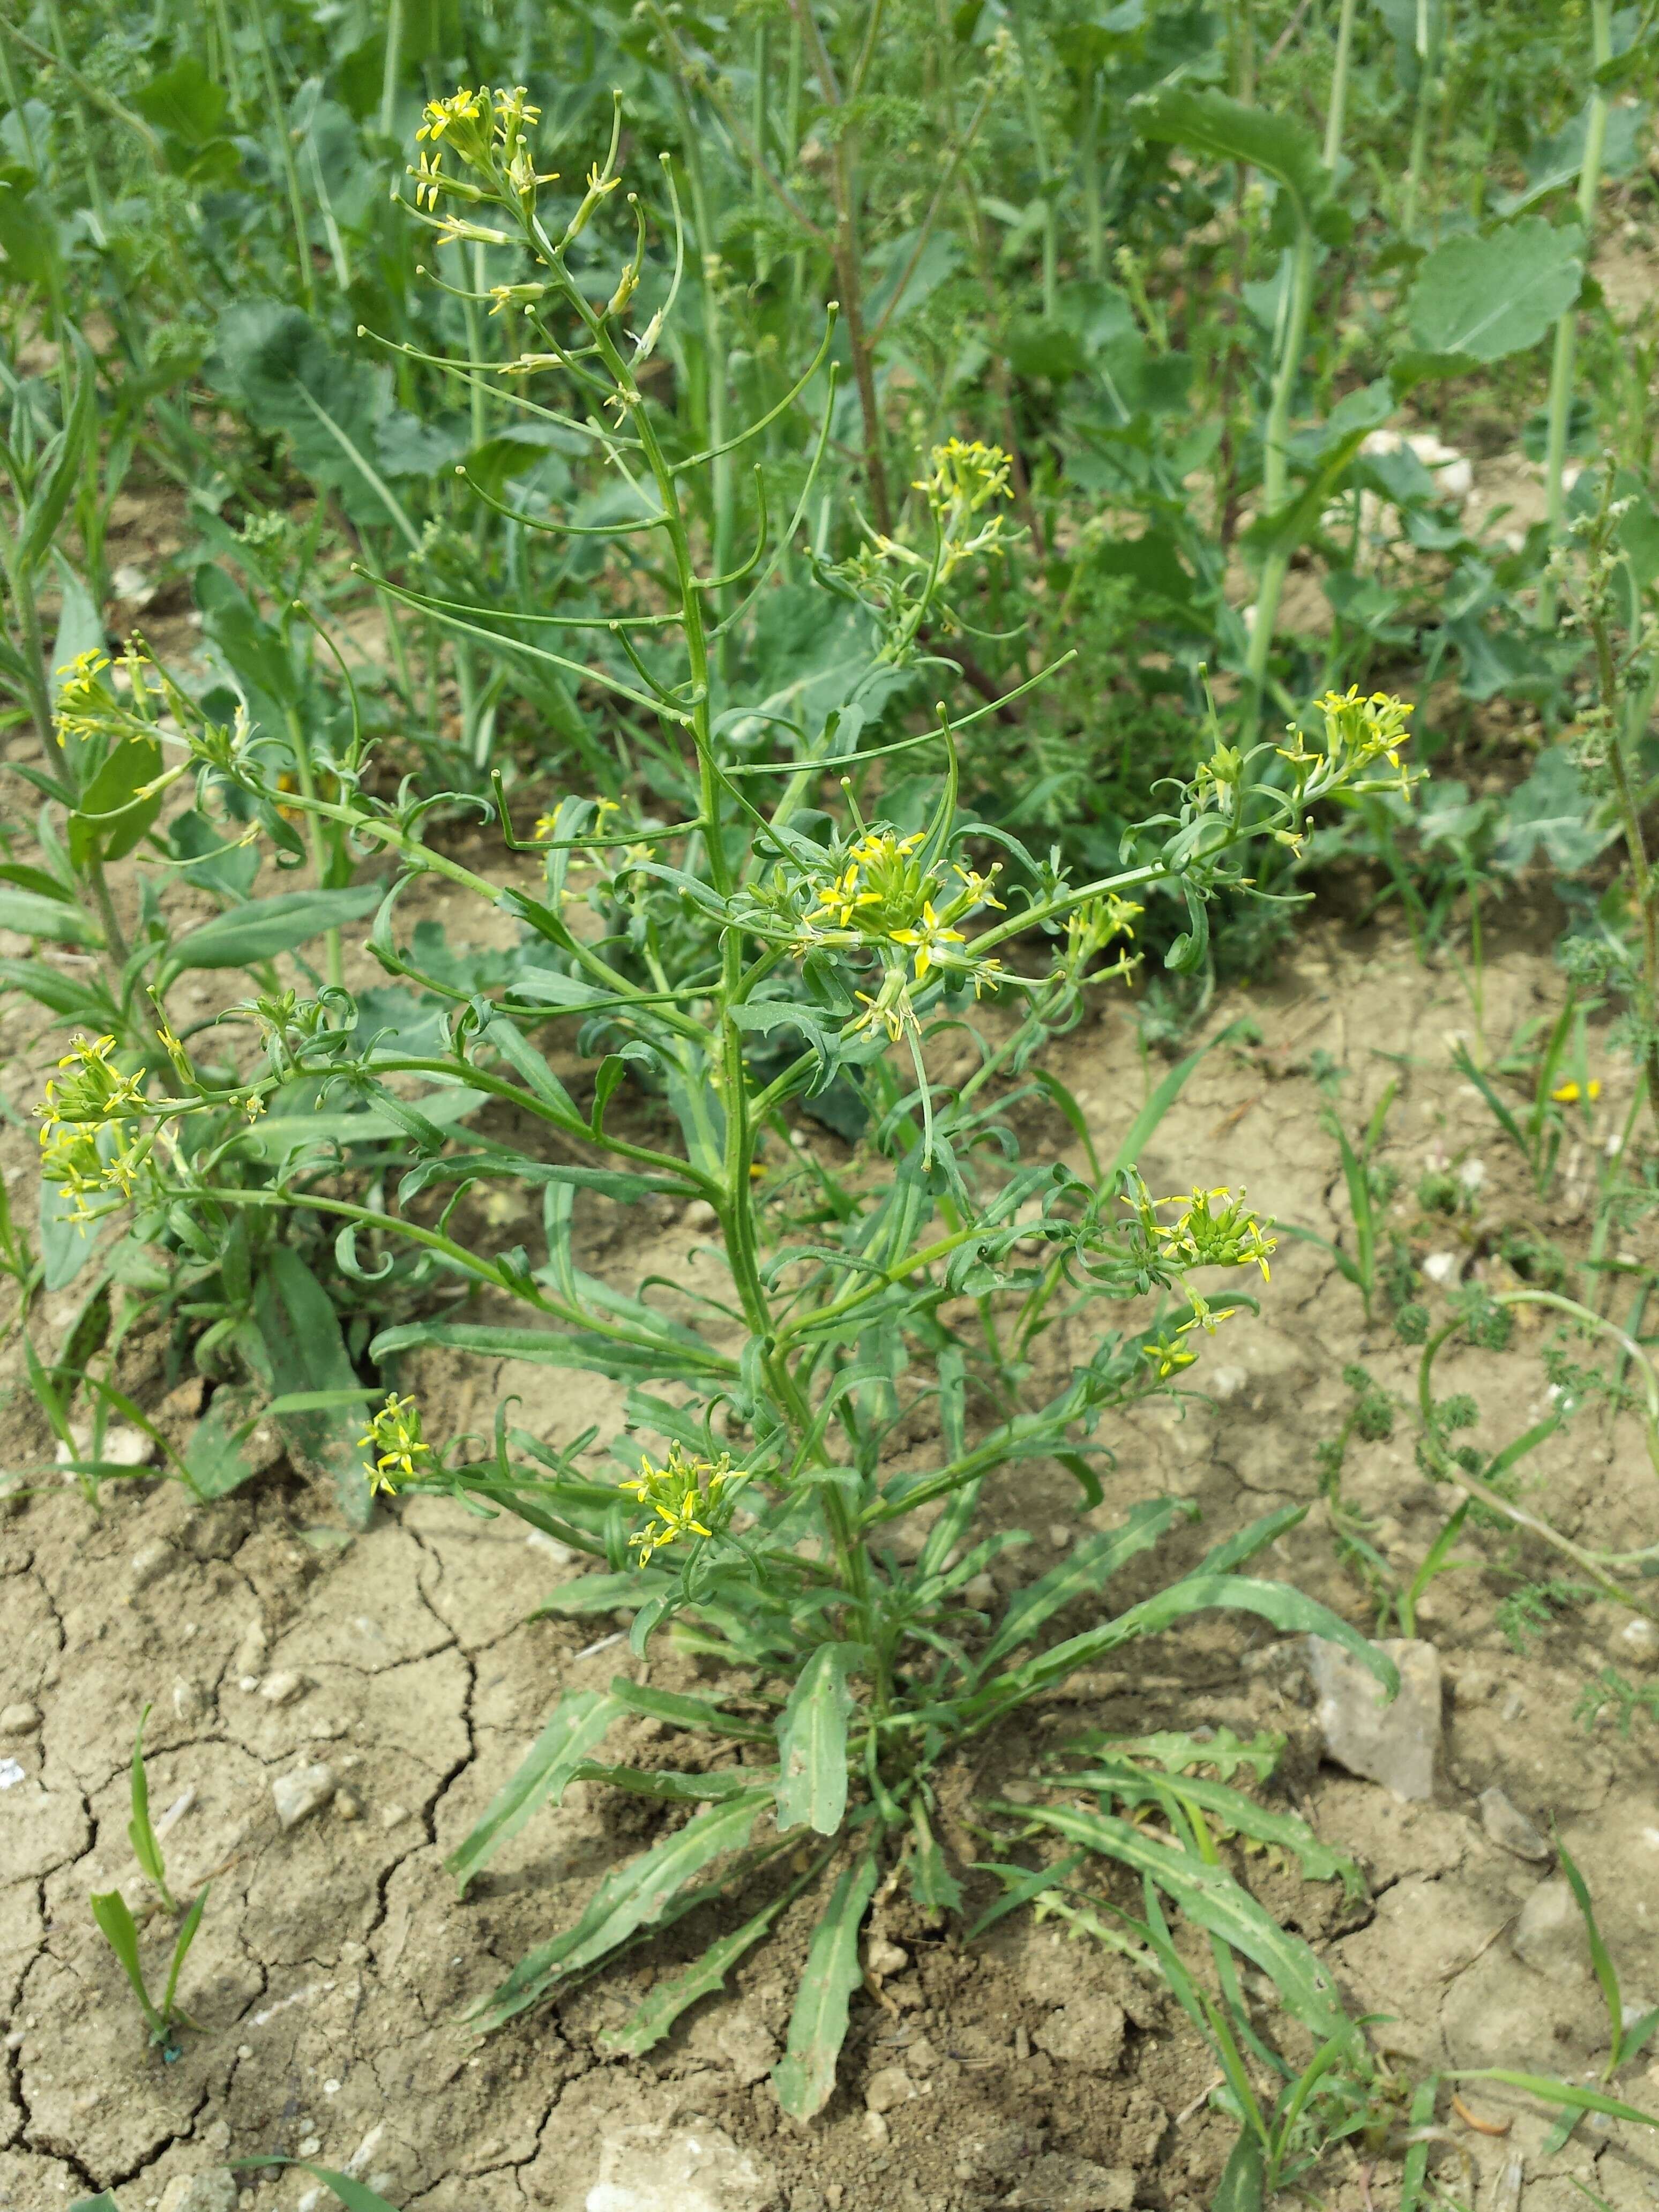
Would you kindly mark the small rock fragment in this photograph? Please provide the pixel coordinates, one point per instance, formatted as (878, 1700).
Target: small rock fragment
(979, 1592)
(1059, 1534)
(20, 1720)
(882, 1956)
(1637, 1644)
(1225, 1383)
(251, 1650)
(298, 1795)
(1549, 1935)
(737, 2039)
(919, 2056)
(347, 1805)
(876, 2129)
(1393, 1744)
(887, 2089)
(1442, 1267)
(1510, 1828)
(214, 2191)
(700, 1215)
(282, 1688)
(188, 1700)
(148, 1564)
(1058, 2183)
(1088, 2032)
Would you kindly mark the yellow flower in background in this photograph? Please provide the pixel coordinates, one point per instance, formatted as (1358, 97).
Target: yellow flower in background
(1569, 1094)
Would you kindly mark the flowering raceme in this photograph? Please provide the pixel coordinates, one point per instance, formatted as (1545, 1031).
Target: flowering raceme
(688, 1496)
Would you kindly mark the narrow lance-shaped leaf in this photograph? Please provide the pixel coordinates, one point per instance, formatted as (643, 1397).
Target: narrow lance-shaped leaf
(542, 1776)
(812, 1785)
(632, 1896)
(805, 2075)
(114, 1918)
(1091, 1565)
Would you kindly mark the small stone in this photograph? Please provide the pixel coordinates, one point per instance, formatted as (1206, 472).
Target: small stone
(310, 2145)
(347, 1805)
(887, 2089)
(882, 1956)
(1087, 2032)
(980, 1592)
(1513, 1708)
(20, 1720)
(393, 1816)
(282, 1688)
(1058, 2183)
(1059, 1534)
(298, 1795)
(148, 1564)
(1226, 1382)
(251, 1652)
(1510, 1829)
(1442, 1267)
(1393, 1744)
(919, 2056)
(214, 2191)
(190, 1702)
(1637, 1644)
(700, 1215)
(1549, 1934)
(875, 2127)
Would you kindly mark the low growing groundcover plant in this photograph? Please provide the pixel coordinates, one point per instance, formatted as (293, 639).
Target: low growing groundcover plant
(765, 936)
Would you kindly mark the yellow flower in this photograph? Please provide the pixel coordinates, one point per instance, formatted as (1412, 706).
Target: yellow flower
(685, 1494)
(1568, 1093)
(927, 939)
(460, 108)
(394, 1438)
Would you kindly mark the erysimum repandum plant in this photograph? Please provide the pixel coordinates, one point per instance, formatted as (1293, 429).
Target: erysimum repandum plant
(780, 929)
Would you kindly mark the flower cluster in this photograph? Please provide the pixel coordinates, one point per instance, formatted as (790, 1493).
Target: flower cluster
(884, 899)
(86, 1147)
(1212, 1230)
(393, 1445)
(903, 584)
(1359, 733)
(488, 133)
(688, 1497)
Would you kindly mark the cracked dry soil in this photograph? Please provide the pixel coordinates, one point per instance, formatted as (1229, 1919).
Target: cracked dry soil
(334, 1956)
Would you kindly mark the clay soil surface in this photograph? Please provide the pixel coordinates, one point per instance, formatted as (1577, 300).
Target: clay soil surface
(1030, 2069)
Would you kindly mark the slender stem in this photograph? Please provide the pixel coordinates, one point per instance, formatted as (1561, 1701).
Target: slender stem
(1334, 112)
(1566, 331)
(1275, 468)
(392, 67)
(279, 123)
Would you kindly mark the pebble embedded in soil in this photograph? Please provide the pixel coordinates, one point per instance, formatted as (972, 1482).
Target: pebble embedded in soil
(883, 1956)
(1088, 2032)
(188, 1700)
(214, 2191)
(1058, 2183)
(1549, 1935)
(20, 1720)
(298, 1795)
(148, 1564)
(281, 1689)
(1393, 1744)
(1637, 1644)
(888, 2089)
(1510, 1828)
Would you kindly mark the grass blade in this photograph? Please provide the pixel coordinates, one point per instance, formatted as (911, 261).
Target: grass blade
(181, 1950)
(115, 1921)
(1559, 2093)
(1600, 1958)
(805, 2075)
(1092, 1564)
(146, 1849)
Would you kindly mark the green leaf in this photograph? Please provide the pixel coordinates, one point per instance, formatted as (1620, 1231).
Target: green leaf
(1209, 123)
(542, 1776)
(1135, 1786)
(805, 2077)
(683, 1711)
(1242, 2186)
(632, 1896)
(1090, 1566)
(222, 1455)
(113, 798)
(932, 1885)
(104, 2203)
(589, 1594)
(1486, 297)
(306, 1351)
(245, 935)
(1212, 1900)
(1558, 2093)
(115, 1921)
(186, 1937)
(33, 916)
(140, 1835)
(1606, 1973)
(355, 2196)
(673, 1787)
(811, 1786)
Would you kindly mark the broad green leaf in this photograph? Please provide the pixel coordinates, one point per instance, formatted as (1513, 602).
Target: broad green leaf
(1242, 2186)
(279, 1137)
(304, 1352)
(714, 1788)
(636, 1895)
(652, 2020)
(66, 1244)
(1486, 297)
(542, 1776)
(932, 1885)
(1208, 122)
(1212, 1900)
(1286, 1607)
(622, 1593)
(812, 1785)
(32, 915)
(1090, 1566)
(260, 929)
(222, 1454)
(684, 1712)
(805, 2077)
(112, 816)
